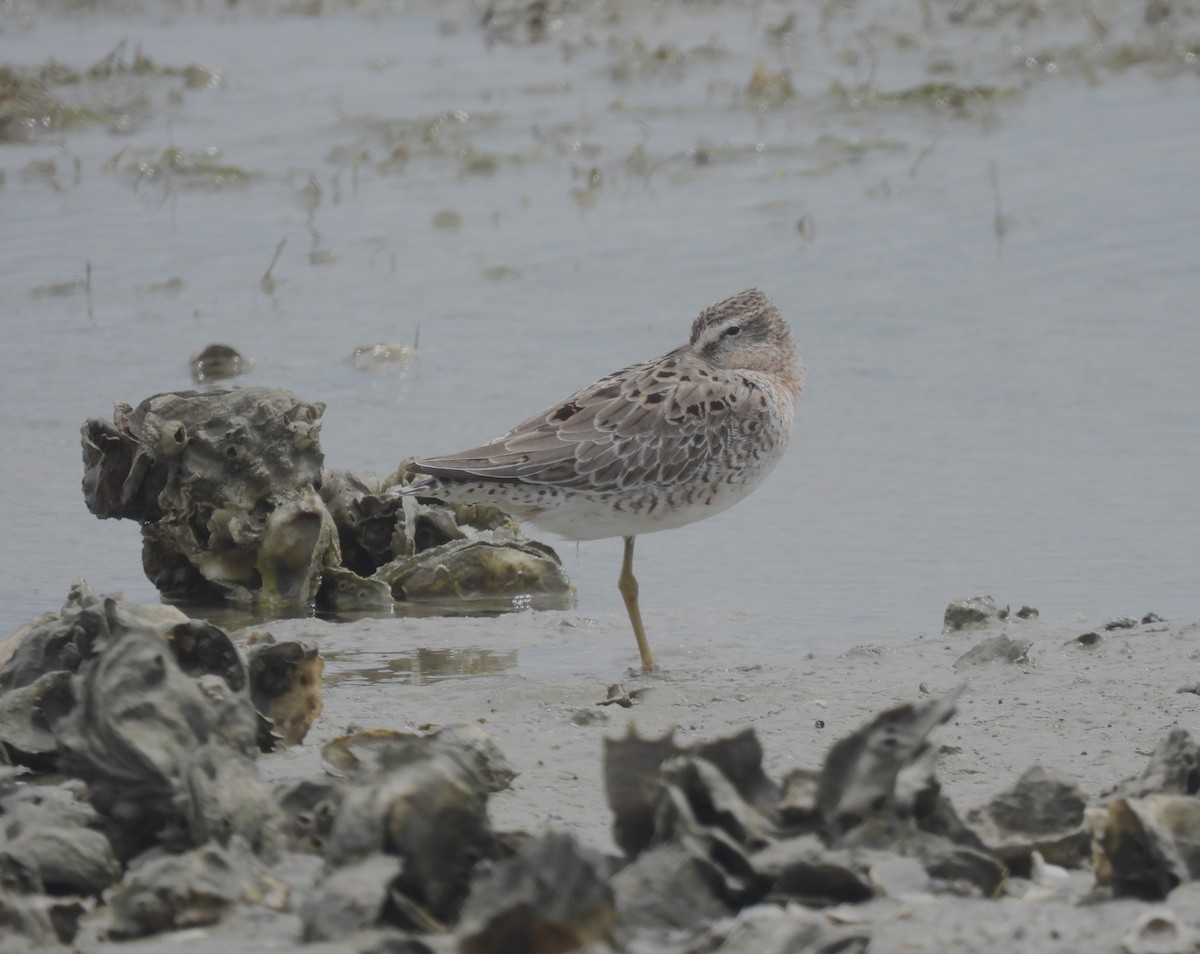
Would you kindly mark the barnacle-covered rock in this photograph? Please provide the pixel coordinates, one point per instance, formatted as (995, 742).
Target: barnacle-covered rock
(432, 814)
(803, 869)
(972, 612)
(633, 765)
(65, 860)
(192, 889)
(480, 569)
(285, 687)
(83, 628)
(352, 898)
(1042, 812)
(878, 791)
(38, 924)
(373, 752)
(631, 768)
(771, 929)
(344, 592)
(367, 519)
(165, 756)
(687, 816)
(1147, 846)
(861, 776)
(1173, 769)
(550, 897)
(26, 714)
(310, 807)
(223, 485)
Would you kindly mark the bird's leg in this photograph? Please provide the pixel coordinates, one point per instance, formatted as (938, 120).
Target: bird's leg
(628, 586)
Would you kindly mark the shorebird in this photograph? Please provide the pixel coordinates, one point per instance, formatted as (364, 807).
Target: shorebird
(654, 446)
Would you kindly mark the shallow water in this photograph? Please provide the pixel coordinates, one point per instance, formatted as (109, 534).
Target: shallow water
(1004, 405)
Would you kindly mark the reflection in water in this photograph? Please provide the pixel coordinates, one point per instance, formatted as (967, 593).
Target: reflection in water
(421, 668)
(231, 618)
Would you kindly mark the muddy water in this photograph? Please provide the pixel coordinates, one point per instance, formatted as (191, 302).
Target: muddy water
(995, 295)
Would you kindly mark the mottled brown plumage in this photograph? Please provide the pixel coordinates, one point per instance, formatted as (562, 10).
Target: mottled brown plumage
(656, 445)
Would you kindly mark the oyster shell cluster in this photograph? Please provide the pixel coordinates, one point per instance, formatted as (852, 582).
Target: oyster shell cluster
(132, 739)
(236, 506)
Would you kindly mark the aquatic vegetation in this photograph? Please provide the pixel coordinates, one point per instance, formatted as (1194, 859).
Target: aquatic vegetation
(174, 167)
(767, 88)
(26, 105)
(55, 97)
(961, 101)
(449, 220)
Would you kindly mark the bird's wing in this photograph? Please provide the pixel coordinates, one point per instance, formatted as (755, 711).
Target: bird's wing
(654, 423)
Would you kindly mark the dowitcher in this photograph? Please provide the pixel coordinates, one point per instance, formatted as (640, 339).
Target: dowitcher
(654, 446)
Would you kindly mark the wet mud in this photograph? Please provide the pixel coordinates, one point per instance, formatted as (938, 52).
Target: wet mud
(142, 797)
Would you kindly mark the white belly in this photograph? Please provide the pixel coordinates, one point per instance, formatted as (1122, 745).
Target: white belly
(581, 516)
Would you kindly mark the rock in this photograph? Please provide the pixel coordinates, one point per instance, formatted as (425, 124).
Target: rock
(344, 591)
(1147, 846)
(222, 483)
(772, 929)
(310, 807)
(996, 649)
(366, 520)
(65, 860)
(38, 925)
(192, 889)
(1043, 813)
(26, 714)
(480, 569)
(165, 756)
(551, 897)
(861, 772)
(374, 752)
(804, 870)
(798, 803)
(285, 686)
(1174, 768)
(971, 612)
(669, 886)
(692, 824)
(633, 765)
(218, 362)
(83, 628)
(432, 814)
(351, 898)
(1120, 622)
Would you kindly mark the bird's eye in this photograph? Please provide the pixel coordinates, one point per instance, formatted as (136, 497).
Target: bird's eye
(731, 331)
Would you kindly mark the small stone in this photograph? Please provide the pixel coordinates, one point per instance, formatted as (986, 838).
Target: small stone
(217, 362)
(972, 612)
